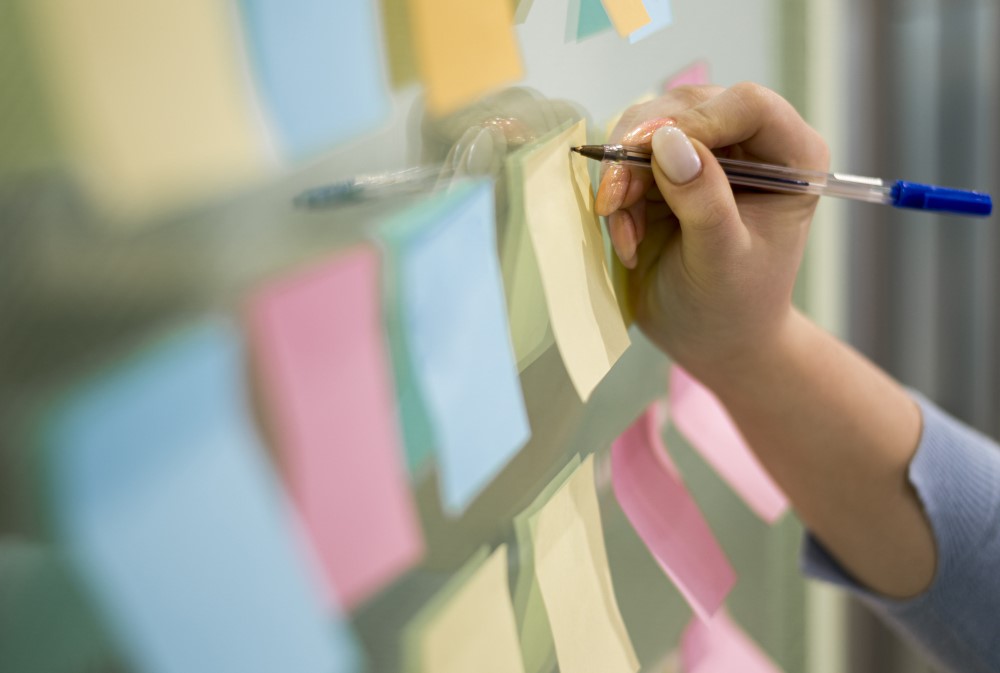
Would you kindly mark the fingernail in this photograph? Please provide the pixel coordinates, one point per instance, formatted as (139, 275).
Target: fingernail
(623, 237)
(642, 134)
(614, 186)
(675, 155)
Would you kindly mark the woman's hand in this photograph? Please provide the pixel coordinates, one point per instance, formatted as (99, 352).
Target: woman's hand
(711, 279)
(711, 271)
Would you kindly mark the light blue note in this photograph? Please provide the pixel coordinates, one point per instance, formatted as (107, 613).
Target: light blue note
(318, 69)
(660, 14)
(447, 281)
(592, 18)
(170, 515)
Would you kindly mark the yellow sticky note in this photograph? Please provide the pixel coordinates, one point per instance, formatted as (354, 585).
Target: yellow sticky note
(464, 49)
(151, 97)
(626, 15)
(533, 627)
(565, 232)
(575, 582)
(469, 626)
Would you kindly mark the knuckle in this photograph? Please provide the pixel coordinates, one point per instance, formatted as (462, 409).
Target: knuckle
(752, 91)
(689, 94)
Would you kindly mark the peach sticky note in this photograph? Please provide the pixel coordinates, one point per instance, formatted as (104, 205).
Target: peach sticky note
(696, 73)
(571, 565)
(152, 98)
(650, 491)
(702, 419)
(464, 49)
(720, 646)
(569, 249)
(627, 16)
(322, 360)
(469, 625)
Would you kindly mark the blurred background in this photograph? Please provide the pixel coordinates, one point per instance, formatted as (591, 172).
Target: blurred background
(113, 231)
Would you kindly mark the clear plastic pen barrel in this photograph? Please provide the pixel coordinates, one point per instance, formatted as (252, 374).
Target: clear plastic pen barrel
(777, 178)
(798, 181)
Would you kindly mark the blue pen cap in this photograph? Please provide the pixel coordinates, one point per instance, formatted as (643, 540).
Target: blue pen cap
(944, 199)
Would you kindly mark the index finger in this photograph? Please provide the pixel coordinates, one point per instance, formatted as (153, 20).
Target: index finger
(623, 186)
(761, 122)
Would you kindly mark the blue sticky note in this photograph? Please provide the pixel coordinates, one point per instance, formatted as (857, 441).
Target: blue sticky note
(592, 18)
(447, 282)
(167, 509)
(660, 14)
(318, 69)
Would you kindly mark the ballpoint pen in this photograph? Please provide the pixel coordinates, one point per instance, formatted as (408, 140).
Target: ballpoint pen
(901, 193)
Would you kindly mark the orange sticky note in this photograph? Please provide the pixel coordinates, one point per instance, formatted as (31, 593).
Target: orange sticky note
(321, 354)
(627, 16)
(464, 49)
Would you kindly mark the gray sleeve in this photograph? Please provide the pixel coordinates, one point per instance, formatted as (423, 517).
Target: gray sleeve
(956, 621)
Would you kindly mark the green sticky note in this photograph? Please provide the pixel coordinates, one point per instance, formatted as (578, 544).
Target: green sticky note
(592, 19)
(530, 331)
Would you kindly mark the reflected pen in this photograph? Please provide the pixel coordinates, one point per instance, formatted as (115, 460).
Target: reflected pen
(901, 193)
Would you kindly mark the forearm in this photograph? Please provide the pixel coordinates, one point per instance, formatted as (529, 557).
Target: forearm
(837, 434)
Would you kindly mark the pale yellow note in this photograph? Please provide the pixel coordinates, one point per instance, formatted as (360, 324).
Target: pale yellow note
(575, 582)
(626, 15)
(533, 627)
(464, 49)
(152, 98)
(470, 625)
(565, 232)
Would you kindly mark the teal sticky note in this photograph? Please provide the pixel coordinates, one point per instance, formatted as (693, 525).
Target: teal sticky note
(592, 18)
(170, 515)
(448, 290)
(418, 438)
(660, 16)
(318, 70)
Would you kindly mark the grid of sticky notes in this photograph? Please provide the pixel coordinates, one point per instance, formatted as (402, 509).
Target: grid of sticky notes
(179, 101)
(287, 446)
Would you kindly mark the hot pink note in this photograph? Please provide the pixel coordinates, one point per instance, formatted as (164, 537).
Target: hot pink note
(696, 73)
(650, 491)
(322, 358)
(720, 646)
(705, 423)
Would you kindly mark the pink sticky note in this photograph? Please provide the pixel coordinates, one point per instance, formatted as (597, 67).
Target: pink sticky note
(322, 361)
(650, 491)
(696, 73)
(721, 646)
(705, 423)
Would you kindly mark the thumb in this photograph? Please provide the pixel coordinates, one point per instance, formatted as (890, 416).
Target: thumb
(695, 187)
